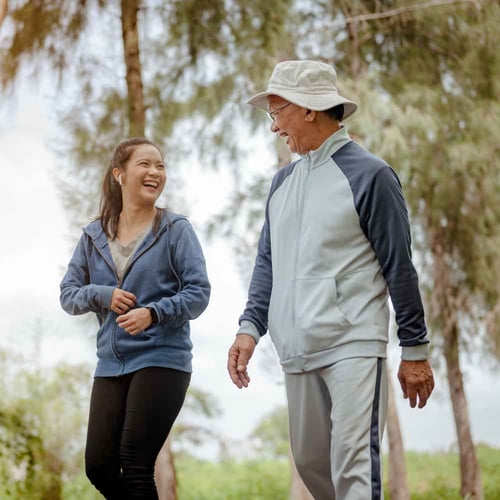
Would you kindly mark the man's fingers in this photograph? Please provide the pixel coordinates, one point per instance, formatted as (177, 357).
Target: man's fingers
(418, 393)
(402, 382)
(429, 387)
(237, 366)
(243, 357)
(238, 357)
(232, 360)
(244, 378)
(412, 395)
(423, 396)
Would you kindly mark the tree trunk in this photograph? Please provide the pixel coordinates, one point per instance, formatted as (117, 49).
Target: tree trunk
(351, 27)
(166, 481)
(54, 486)
(135, 92)
(471, 487)
(3, 10)
(165, 477)
(298, 490)
(446, 308)
(398, 484)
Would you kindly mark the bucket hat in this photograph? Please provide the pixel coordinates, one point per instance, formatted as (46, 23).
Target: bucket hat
(308, 84)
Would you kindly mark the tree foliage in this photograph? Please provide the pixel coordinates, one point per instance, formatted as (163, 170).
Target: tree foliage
(270, 436)
(42, 424)
(193, 428)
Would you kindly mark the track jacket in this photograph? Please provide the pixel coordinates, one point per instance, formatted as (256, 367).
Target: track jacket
(167, 273)
(336, 236)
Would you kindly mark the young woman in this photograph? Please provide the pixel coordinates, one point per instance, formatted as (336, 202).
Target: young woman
(141, 270)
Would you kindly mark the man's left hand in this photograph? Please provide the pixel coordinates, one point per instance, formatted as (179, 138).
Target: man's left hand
(417, 381)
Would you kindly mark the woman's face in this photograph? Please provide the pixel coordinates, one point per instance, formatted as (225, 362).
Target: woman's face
(143, 177)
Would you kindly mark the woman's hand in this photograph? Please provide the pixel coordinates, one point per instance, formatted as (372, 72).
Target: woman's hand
(135, 321)
(122, 301)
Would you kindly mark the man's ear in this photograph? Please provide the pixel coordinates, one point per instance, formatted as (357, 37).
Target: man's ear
(310, 115)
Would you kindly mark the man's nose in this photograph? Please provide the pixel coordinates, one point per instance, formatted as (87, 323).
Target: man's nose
(274, 127)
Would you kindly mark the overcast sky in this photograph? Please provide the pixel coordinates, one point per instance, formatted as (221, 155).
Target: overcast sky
(35, 250)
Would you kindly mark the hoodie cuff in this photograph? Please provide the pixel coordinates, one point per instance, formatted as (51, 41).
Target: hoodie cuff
(415, 352)
(155, 313)
(249, 328)
(105, 296)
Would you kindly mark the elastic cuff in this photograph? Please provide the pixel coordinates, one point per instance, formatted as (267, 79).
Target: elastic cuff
(106, 295)
(415, 352)
(155, 313)
(249, 328)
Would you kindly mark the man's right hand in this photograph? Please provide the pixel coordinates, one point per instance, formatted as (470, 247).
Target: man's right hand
(238, 357)
(122, 301)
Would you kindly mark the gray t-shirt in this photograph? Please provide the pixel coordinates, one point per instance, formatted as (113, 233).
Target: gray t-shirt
(122, 254)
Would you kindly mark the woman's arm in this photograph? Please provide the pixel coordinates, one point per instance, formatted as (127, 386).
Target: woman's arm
(78, 295)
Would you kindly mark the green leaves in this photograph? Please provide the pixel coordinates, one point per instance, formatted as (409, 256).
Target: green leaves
(39, 33)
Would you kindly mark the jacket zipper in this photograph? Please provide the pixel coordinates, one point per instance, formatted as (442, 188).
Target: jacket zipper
(302, 195)
(118, 284)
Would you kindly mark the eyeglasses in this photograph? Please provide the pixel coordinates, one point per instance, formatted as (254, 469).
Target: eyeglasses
(272, 114)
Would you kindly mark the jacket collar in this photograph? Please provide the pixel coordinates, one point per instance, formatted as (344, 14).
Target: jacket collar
(329, 147)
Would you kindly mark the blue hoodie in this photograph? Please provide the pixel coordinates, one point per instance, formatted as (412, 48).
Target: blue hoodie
(167, 273)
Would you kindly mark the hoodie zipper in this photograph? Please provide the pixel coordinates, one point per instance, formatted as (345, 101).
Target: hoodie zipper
(135, 257)
(118, 284)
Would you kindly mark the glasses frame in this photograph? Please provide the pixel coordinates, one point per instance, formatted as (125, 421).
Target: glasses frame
(274, 113)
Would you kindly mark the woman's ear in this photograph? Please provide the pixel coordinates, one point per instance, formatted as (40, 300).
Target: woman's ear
(117, 175)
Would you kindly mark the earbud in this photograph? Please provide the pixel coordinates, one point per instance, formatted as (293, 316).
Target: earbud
(120, 179)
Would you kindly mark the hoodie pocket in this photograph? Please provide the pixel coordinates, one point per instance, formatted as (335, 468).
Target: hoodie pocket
(320, 322)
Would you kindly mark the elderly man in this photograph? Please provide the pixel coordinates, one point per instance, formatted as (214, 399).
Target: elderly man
(336, 238)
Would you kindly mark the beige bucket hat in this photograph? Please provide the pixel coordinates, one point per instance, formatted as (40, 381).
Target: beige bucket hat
(308, 84)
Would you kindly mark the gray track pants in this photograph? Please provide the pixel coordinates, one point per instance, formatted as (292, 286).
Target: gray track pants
(337, 416)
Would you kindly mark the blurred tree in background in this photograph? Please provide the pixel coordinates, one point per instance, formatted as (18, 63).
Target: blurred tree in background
(43, 414)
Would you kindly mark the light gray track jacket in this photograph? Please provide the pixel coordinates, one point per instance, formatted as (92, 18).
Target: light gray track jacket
(336, 236)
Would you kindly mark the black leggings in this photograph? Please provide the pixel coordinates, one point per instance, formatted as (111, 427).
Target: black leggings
(130, 418)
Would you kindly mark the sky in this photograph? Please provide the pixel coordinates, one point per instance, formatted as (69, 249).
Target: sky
(37, 246)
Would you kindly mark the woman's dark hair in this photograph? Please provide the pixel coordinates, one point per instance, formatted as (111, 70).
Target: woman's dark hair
(111, 202)
(336, 113)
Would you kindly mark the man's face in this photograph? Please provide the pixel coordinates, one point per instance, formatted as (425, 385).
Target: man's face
(289, 123)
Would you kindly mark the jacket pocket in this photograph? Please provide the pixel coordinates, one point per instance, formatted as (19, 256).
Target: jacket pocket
(320, 322)
(279, 318)
(362, 296)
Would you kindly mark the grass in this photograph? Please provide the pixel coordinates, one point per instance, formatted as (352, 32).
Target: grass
(431, 476)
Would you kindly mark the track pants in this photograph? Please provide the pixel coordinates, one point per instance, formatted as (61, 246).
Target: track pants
(130, 418)
(337, 415)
